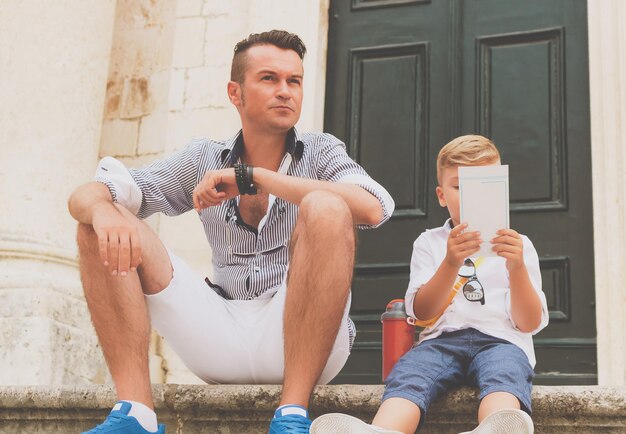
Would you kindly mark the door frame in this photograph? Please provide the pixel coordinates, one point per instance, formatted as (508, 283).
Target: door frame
(607, 46)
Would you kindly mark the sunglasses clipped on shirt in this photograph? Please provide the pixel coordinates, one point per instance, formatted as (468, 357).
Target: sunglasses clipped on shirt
(472, 289)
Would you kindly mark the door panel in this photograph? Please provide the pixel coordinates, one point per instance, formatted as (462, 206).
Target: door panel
(388, 97)
(520, 76)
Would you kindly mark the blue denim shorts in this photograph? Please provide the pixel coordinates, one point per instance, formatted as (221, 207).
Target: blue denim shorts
(464, 357)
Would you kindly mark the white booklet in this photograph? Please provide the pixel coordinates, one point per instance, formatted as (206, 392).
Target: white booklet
(484, 202)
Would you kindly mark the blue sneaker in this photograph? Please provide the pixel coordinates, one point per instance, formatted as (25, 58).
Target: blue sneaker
(118, 422)
(292, 419)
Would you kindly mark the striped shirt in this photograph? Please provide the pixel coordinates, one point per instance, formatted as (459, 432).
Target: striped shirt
(248, 262)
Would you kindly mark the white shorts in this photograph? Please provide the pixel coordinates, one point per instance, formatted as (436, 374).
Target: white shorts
(230, 341)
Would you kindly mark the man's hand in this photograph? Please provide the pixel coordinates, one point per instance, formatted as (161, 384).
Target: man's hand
(118, 239)
(216, 187)
(461, 245)
(510, 246)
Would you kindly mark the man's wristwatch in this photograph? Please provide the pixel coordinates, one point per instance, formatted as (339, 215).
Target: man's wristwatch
(243, 176)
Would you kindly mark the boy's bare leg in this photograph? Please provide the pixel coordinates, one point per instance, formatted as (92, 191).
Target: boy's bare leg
(398, 414)
(118, 309)
(496, 401)
(320, 274)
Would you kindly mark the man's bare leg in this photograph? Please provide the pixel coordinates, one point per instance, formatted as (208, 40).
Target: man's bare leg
(118, 309)
(320, 274)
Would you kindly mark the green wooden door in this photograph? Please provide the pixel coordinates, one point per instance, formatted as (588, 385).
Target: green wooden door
(406, 76)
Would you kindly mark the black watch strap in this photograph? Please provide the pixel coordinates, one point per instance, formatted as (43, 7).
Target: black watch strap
(243, 176)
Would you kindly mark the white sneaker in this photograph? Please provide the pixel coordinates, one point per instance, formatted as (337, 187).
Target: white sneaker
(505, 422)
(337, 423)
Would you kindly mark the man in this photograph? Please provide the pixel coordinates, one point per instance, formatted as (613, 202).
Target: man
(279, 211)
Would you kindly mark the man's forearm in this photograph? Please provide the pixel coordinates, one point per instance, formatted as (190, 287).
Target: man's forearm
(365, 207)
(86, 199)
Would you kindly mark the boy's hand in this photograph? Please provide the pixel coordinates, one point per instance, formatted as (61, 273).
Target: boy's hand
(461, 245)
(510, 246)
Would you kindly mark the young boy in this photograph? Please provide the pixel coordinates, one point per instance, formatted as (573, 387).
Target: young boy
(484, 336)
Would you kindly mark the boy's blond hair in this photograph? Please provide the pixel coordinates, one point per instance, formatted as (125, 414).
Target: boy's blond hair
(469, 150)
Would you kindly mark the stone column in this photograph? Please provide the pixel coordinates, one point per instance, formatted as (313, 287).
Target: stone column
(607, 78)
(54, 58)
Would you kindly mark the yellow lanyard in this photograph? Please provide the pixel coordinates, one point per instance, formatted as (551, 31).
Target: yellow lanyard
(460, 281)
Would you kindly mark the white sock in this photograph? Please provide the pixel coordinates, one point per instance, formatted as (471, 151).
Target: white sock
(286, 409)
(144, 415)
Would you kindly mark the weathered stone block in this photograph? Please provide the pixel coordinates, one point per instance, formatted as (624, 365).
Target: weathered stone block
(158, 85)
(206, 87)
(188, 8)
(176, 99)
(119, 137)
(188, 42)
(46, 336)
(234, 8)
(112, 99)
(38, 350)
(135, 98)
(153, 133)
(186, 125)
(222, 33)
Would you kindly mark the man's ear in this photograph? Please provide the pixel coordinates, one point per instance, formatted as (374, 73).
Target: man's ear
(234, 93)
(442, 200)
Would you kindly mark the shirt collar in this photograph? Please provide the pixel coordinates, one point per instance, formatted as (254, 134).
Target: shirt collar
(448, 225)
(234, 147)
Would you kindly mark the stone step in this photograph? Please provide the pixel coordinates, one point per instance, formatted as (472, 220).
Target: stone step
(245, 409)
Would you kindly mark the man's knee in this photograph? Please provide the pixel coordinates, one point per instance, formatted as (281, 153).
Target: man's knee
(326, 208)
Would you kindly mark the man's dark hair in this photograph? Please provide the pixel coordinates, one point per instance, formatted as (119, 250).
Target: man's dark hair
(278, 38)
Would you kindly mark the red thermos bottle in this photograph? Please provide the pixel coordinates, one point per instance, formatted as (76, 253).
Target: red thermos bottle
(398, 334)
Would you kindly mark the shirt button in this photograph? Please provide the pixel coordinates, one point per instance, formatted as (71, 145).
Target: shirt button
(257, 268)
(250, 298)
